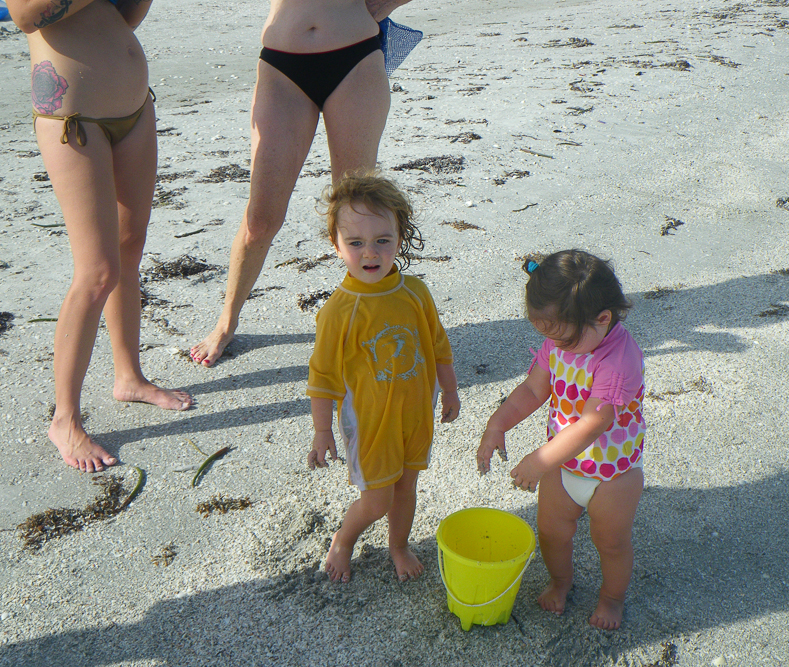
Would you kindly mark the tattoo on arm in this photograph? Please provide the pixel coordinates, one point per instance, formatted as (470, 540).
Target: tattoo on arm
(56, 11)
(48, 88)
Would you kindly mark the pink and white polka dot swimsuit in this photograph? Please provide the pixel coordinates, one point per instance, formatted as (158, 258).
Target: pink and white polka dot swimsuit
(613, 373)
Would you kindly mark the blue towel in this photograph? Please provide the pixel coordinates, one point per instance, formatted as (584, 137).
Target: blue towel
(397, 41)
(4, 15)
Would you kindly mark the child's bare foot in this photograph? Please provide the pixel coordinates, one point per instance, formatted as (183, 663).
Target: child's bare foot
(553, 598)
(76, 447)
(146, 392)
(207, 351)
(406, 564)
(338, 562)
(608, 615)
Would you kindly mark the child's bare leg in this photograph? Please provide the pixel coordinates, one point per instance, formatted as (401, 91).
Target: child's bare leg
(557, 518)
(134, 162)
(401, 518)
(611, 514)
(371, 506)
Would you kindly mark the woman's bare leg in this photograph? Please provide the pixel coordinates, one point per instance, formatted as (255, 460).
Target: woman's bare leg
(355, 116)
(283, 126)
(612, 511)
(557, 520)
(401, 519)
(83, 182)
(134, 164)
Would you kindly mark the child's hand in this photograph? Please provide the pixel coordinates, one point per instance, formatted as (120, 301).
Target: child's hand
(526, 475)
(450, 406)
(321, 443)
(492, 440)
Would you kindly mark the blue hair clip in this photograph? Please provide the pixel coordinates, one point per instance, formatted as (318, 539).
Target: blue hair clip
(532, 266)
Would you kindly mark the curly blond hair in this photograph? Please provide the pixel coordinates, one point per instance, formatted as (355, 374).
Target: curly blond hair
(379, 195)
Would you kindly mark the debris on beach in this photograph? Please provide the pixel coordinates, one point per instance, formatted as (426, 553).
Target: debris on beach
(464, 138)
(6, 322)
(660, 292)
(304, 264)
(175, 176)
(700, 385)
(307, 301)
(574, 42)
(726, 62)
(54, 523)
(166, 556)
(230, 172)
(260, 291)
(668, 658)
(413, 257)
(205, 464)
(783, 203)
(168, 198)
(670, 225)
(461, 225)
(182, 267)
(776, 310)
(222, 504)
(445, 164)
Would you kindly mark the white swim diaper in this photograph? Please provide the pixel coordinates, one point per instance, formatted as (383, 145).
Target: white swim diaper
(581, 489)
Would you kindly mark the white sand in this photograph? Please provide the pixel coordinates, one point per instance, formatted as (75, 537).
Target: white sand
(632, 139)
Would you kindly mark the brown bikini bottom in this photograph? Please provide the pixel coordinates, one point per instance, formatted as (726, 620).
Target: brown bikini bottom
(114, 129)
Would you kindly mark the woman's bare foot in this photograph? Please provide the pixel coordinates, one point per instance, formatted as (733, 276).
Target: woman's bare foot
(338, 562)
(554, 597)
(608, 615)
(76, 447)
(406, 564)
(147, 392)
(207, 351)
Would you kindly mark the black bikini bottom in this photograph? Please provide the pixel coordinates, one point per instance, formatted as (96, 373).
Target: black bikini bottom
(318, 74)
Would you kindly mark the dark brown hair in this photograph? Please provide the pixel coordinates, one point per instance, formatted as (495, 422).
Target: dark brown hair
(378, 194)
(577, 287)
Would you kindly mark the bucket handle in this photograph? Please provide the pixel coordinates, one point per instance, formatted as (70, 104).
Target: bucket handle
(482, 604)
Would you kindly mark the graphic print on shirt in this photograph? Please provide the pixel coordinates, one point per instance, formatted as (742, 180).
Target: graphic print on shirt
(396, 353)
(620, 446)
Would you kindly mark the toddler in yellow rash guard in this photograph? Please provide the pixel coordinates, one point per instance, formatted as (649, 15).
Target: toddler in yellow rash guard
(382, 354)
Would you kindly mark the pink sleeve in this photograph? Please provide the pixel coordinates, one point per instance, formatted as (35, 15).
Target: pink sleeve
(543, 357)
(619, 375)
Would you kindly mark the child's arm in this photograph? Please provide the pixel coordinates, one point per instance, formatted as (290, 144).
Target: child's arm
(324, 438)
(567, 444)
(450, 401)
(527, 397)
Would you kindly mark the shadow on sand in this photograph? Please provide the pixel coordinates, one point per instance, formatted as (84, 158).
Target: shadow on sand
(724, 544)
(679, 321)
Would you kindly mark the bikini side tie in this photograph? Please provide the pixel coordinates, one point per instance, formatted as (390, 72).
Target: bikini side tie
(72, 121)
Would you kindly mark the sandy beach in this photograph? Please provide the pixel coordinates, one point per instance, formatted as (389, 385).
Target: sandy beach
(654, 134)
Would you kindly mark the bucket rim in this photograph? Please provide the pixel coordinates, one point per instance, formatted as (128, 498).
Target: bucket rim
(525, 556)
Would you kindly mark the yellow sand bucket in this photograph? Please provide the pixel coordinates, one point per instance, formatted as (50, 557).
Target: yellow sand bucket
(482, 555)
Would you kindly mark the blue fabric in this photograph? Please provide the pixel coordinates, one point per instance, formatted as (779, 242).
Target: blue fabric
(4, 15)
(397, 41)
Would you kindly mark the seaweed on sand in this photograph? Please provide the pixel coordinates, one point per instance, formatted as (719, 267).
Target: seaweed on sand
(445, 164)
(182, 267)
(223, 504)
(6, 322)
(54, 523)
